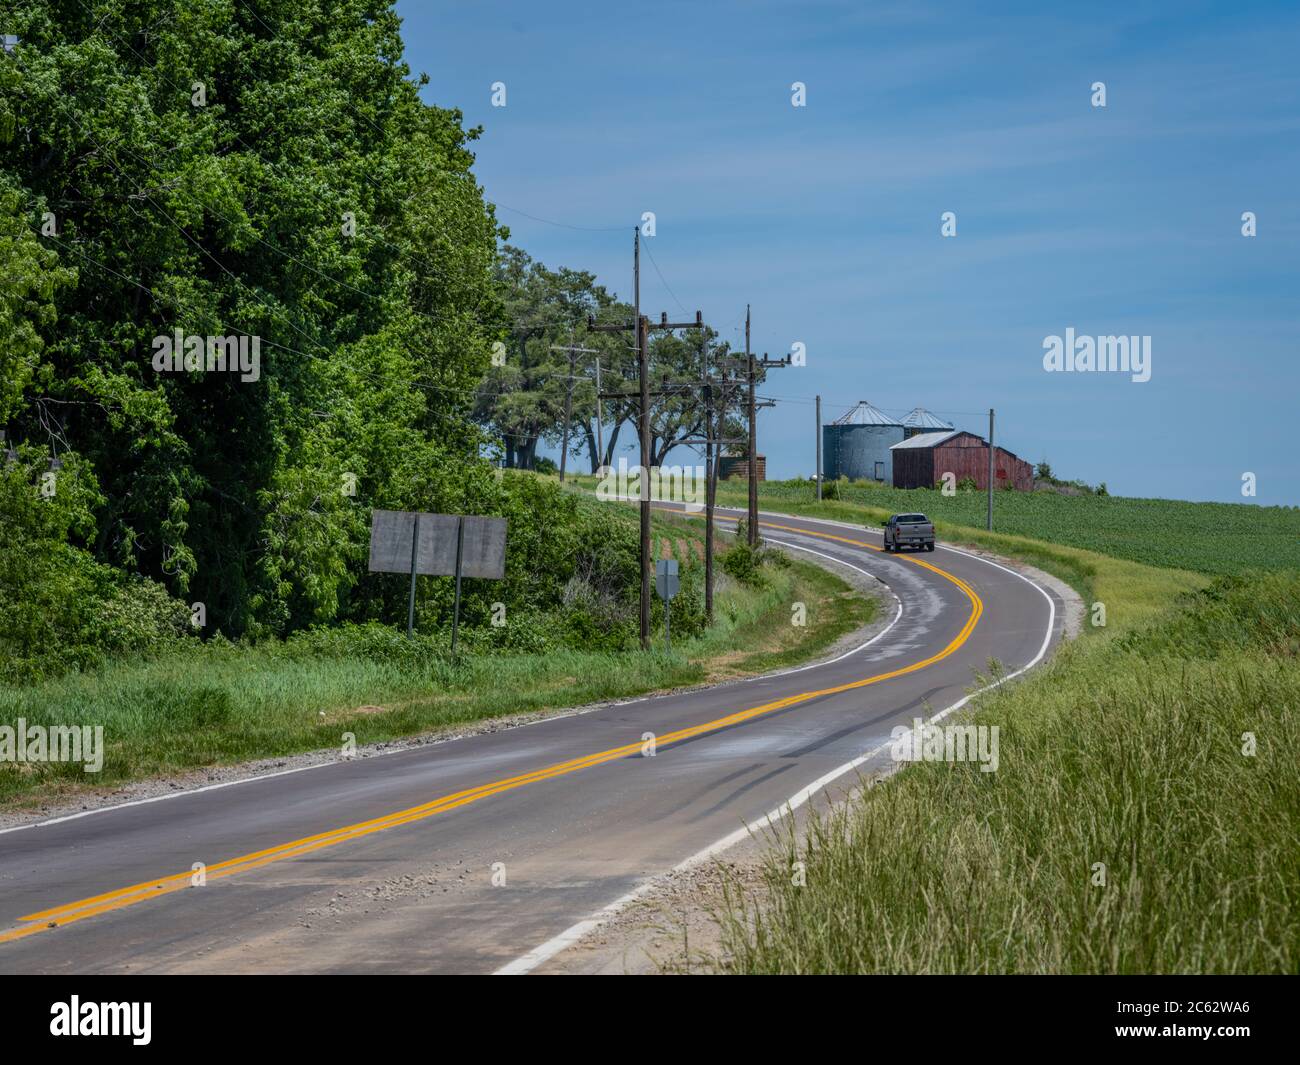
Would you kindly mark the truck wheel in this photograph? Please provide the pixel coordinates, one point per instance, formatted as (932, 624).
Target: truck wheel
(929, 547)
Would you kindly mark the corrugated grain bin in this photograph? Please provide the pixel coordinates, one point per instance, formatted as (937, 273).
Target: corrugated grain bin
(921, 420)
(857, 445)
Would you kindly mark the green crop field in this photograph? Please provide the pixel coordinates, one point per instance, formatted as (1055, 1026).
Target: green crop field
(1210, 538)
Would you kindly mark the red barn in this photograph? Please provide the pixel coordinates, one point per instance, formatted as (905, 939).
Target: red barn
(921, 462)
(730, 466)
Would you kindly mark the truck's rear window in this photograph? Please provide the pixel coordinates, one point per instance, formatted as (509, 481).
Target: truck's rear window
(911, 519)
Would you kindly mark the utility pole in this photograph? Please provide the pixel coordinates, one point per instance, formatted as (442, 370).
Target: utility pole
(709, 497)
(819, 449)
(573, 350)
(642, 327)
(753, 441)
(600, 418)
(990, 515)
(715, 393)
(643, 420)
(568, 417)
(707, 392)
(752, 366)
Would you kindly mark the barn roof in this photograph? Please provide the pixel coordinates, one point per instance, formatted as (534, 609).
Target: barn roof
(926, 440)
(920, 418)
(865, 414)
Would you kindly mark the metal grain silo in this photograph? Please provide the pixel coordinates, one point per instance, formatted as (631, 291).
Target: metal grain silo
(921, 420)
(857, 445)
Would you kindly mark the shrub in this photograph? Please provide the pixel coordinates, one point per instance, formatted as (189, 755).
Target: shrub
(61, 610)
(742, 562)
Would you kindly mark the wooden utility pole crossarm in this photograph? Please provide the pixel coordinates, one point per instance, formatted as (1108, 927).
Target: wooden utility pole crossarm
(642, 326)
(752, 366)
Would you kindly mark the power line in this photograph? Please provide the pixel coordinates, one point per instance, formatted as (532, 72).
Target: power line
(664, 281)
(406, 252)
(887, 410)
(562, 225)
(477, 393)
(276, 312)
(177, 305)
(535, 218)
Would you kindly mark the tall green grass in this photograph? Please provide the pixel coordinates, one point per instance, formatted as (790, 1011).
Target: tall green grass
(1125, 751)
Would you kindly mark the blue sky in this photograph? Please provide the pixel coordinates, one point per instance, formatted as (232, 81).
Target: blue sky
(1117, 220)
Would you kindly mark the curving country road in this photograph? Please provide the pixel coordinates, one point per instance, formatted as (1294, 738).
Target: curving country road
(388, 863)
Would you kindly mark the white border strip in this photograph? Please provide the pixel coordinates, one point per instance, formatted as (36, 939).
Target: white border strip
(526, 963)
(862, 646)
(451, 739)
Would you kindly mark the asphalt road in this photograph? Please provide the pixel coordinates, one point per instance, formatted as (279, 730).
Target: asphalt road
(468, 856)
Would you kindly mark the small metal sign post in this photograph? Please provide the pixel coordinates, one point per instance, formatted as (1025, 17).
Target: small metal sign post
(437, 545)
(415, 558)
(667, 584)
(460, 554)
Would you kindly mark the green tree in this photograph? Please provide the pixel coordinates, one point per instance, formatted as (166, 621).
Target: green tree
(31, 275)
(522, 401)
(220, 170)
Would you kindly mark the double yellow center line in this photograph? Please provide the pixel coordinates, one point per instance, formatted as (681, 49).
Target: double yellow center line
(71, 912)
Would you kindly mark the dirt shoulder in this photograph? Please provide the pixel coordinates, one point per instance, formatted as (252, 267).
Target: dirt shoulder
(673, 928)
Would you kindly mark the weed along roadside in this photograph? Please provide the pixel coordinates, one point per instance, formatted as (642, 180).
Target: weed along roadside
(1141, 815)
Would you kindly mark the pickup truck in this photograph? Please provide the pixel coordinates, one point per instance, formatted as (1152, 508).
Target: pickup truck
(908, 530)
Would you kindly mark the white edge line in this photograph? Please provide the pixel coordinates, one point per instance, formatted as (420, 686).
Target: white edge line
(862, 646)
(526, 963)
(451, 739)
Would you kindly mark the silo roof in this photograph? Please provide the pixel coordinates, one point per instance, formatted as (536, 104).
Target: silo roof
(865, 414)
(925, 440)
(920, 418)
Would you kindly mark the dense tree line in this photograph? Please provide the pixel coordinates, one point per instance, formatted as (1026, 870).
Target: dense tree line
(212, 171)
(249, 290)
(170, 171)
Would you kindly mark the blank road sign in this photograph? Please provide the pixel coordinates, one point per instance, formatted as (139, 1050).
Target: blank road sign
(390, 541)
(483, 553)
(666, 580)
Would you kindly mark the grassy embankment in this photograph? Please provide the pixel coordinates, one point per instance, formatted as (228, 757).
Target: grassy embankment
(1131, 588)
(1126, 829)
(222, 704)
(1209, 538)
